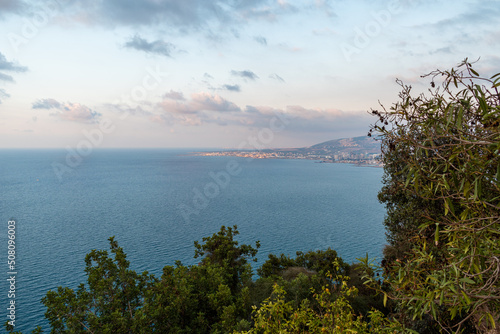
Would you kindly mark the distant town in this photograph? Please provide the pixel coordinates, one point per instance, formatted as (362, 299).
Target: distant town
(363, 151)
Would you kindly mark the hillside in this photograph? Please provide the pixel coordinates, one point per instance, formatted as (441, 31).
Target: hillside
(359, 150)
(356, 145)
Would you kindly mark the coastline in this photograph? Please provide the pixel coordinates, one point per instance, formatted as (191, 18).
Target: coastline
(295, 156)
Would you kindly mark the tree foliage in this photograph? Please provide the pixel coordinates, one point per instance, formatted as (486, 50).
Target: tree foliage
(321, 262)
(441, 155)
(215, 296)
(108, 303)
(222, 250)
(334, 313)
(207, 298)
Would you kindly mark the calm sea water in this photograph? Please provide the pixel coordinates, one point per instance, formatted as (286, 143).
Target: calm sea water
(139, 196)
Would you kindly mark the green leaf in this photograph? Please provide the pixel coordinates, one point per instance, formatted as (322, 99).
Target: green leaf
(448, 206)
(474, 72)
(492, 321)
(476, 189)
(453, 313)
(460, 116)
(436, 235)
(385, 299)
(433, 311)
(467, 188)
(467, 280)
(467, 299)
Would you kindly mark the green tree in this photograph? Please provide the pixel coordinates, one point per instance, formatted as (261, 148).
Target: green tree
(333, 313)
(109, 304)
(195, 299)
(223, 250)
(212, 297)
(442, 190)
(320, 262)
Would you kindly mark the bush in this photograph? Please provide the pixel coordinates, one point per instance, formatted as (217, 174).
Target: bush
(441, 156)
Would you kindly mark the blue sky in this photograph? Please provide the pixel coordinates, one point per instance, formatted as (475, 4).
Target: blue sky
(198, 73)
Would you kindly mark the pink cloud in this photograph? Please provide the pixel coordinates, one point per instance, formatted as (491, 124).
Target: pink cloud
(72, 112)
(199, 102)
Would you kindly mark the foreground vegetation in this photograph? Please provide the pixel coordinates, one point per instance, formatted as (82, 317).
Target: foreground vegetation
(442, 192)
(440, 271)
(308, 293)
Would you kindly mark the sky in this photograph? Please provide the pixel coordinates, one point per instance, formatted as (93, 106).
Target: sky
(222, 74)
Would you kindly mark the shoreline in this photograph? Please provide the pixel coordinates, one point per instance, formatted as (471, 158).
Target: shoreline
(265, 155)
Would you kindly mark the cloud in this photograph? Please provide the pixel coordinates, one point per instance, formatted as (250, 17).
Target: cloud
(488, 66)
(206, 101)
(187, 12)
(276, 77)
(157, 47)
(173, 95)
(325, 6)
(325, 122)
(483, 12)
(10, 6)
(126, 109)
(198, 103)
(46, 104)
(200, 108)
(447, 50)
(6, 77)
(10, 66)
(204, 108)
(245, 74)
(3, 95)
(183, 15)
(261, 40)
(232, 88)
(72, 112)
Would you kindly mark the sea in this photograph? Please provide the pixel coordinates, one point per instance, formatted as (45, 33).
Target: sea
(157, 202)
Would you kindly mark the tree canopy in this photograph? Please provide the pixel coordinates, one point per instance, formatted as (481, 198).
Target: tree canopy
(442, 193)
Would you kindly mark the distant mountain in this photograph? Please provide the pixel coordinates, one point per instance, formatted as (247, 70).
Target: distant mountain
(356, 145)
(358, 150)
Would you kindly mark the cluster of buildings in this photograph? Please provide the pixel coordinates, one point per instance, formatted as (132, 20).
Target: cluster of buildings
(342, 157)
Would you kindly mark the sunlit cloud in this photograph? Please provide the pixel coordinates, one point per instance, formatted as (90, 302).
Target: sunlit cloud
(199, 102)
(72, 112)
(173, 95)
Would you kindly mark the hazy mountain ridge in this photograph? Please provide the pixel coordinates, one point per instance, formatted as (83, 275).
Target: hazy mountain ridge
(358, 150)
(354, 145)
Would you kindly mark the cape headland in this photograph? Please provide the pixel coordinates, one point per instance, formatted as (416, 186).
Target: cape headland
(361, 150)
